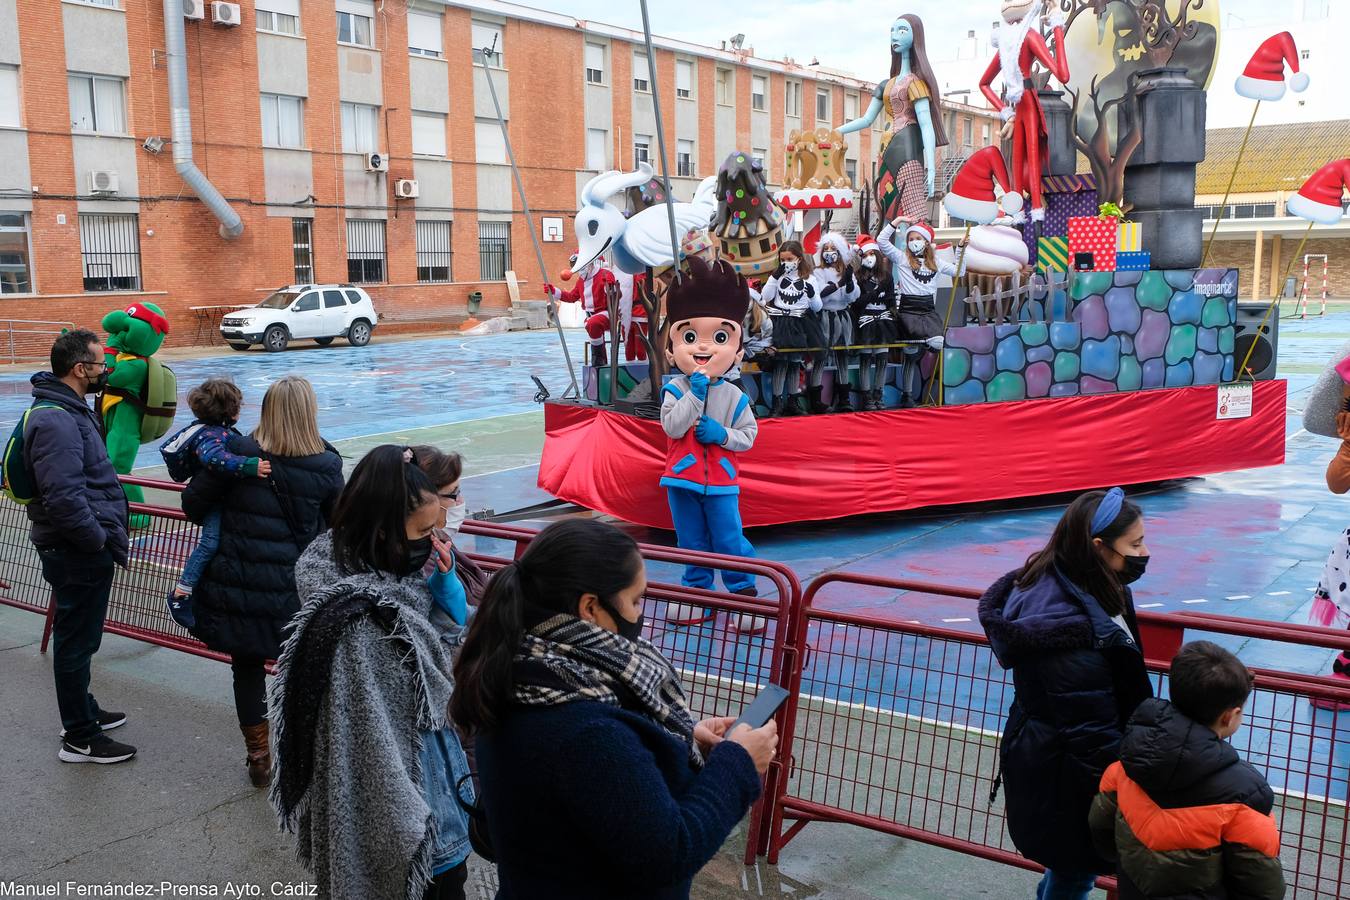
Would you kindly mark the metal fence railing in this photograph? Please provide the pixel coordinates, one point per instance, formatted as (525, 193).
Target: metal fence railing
(25, 339)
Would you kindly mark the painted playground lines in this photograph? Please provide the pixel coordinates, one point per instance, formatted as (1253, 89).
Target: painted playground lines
(1200, 600)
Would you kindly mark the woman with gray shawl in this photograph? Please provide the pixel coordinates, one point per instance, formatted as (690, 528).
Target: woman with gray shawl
(367, 763)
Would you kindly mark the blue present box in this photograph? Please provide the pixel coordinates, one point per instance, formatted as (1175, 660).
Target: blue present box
(1132, 261)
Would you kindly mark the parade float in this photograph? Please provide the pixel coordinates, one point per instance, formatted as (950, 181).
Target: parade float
(1118, 358)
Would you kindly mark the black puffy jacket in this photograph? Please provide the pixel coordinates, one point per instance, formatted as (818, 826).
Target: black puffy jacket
(80, 504)
(247, 595)
(1077, 677)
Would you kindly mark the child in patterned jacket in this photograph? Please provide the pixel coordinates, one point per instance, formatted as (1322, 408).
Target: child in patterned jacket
(215, 405)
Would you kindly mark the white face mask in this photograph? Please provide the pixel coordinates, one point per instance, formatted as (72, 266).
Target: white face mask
(790, 267)
(829, 257)
(869, 261)
(917, 246)
(454, 518)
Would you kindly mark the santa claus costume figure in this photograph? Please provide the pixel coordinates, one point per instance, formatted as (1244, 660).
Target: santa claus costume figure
(590, 291)
(1020, 47)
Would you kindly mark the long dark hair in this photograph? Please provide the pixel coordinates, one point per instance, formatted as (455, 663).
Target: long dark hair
(370, 531)
(805, 265)
(567, 559)
(920, 66)
(441, 467)
(1072, 551)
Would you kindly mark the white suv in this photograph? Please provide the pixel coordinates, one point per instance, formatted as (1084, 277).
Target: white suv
(320, 312)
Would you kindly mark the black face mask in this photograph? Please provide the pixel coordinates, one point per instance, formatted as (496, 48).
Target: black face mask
(98, 384)
(626, 629)
(1134, 569)
(419, 551)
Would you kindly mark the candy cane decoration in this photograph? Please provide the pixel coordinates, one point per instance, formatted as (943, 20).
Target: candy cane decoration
(1303, 293)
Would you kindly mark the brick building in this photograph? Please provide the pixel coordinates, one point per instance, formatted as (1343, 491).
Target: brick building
(287, 107)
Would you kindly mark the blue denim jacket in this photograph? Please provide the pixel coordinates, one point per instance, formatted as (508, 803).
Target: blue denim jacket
(443, 765)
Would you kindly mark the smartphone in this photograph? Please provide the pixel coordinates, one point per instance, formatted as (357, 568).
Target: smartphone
(761, 710)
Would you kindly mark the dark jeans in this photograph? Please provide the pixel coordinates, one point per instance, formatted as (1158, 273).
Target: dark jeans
(81, 583)
(250, 689)
(449, 885)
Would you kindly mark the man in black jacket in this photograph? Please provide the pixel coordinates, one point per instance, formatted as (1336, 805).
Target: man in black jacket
(79, 527)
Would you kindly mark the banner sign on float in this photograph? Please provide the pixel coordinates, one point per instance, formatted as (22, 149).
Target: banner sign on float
(1235, 401)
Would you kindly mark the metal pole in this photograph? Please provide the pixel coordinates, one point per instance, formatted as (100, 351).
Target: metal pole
(1260, 329)
(573, 392)
(661, 147)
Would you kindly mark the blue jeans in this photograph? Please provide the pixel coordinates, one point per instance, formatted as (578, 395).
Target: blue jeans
(443, 765)
(207, 545)
(1065, 886)
(81, 584)
(711, 524)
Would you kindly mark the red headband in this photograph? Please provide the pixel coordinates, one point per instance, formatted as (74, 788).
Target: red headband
(149, 316)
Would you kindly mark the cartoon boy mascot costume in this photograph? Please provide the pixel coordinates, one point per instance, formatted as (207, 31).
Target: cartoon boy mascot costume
(140, 398)
(708, 419)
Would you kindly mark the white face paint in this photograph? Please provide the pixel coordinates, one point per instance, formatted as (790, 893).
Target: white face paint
(917, 246)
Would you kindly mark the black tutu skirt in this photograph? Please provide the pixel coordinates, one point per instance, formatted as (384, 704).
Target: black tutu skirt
(883, 331)
(919, 319)
(795, 333)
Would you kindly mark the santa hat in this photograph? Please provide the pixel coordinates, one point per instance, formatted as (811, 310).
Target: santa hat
(979, 186)
(923, 230)
(1263, 79)
(1319, 200)
(840, 245)
(867, 244)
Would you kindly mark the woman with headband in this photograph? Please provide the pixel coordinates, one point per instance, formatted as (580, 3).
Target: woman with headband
(1065, 625)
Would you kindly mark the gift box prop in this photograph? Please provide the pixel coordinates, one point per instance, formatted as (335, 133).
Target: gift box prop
(1066, 197)
(1052, 254)
(1092, 243)
(1131, 240)
(1133, 261)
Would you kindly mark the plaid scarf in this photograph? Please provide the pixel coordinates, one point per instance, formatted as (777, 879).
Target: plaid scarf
(564, 659)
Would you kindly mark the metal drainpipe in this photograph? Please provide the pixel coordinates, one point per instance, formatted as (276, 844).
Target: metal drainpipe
(180, 116)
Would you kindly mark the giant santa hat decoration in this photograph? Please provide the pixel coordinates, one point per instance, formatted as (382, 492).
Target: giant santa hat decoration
(1319, 200)
(979, 186)
(1263, 79)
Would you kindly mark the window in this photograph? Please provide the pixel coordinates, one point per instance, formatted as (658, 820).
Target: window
(761, 156)
(494, 250)
(97, 104)
(725, 95)
(302, 242)
(794, 98)
(595, 64)
(110, 248)
(984, 135)
(642, 148)
(279, 16)
(424, 34)
(333, 300)
(489, 145)
(1305, 54)
(597, 149)
(684, 159)
(360, 128)
(822, 106)
(850, 106)
(353, 297)
(308, 303)
(851, 170)
(9, 96)
(16, 261)
(111, 4)
(356, 22)
(642, 74)
(967, 131)
(283, 121)
(428, 134)
(684, 79)
(433, 251)
(485, 37)
(759, 92)
(365, 250)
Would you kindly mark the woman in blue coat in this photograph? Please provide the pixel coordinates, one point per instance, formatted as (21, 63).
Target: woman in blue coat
(1065, 625)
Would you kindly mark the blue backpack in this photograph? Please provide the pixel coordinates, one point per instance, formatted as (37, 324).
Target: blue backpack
(179, 452)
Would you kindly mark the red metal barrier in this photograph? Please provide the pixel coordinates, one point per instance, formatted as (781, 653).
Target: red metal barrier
(895, 728)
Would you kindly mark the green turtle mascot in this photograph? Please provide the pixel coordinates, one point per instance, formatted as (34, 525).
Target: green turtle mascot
(139, 401)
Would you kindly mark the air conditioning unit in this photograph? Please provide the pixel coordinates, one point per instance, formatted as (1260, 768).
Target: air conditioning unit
(376, 162)
(225, 13)
(406, 189)
(103, 181)
(194, 9)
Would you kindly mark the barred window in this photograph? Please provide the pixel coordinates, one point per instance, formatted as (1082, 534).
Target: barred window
(16, 264)
(302, 241)
(494, 250)
(433, 251)
(110, 248)
(365, 251)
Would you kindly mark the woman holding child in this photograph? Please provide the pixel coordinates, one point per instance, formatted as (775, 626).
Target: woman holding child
(1064, 623)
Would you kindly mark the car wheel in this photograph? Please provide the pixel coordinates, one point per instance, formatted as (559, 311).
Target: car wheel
(358, 335)
(275, 339)
(323, 342)
(239, 346)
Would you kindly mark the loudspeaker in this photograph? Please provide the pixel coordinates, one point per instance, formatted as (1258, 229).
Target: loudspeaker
(1249, 315)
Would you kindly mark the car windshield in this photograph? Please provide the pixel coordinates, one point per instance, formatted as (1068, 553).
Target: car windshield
(279, 300)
